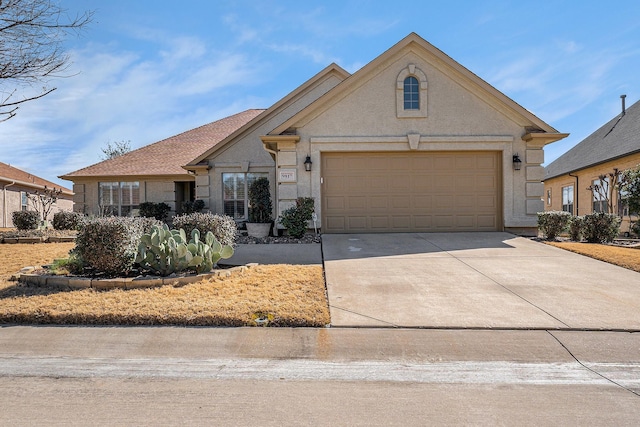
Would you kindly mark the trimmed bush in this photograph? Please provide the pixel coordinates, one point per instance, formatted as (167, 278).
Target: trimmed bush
(109, 245)
(600, 227)
(159, 211)
(67, 220)
(223, 227)
(260, 207)
(192, 207)
(552, 223)
(25, 220)
(296, 218)
(575, 228)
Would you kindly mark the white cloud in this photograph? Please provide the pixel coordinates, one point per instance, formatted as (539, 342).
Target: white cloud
(116, 96)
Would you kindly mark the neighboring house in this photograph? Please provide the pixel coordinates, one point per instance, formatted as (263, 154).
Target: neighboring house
(569, 180)
(413, 141)
(16, 184)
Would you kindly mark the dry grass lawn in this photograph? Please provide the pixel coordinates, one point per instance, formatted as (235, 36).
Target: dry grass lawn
(624, 257)
(287, 295)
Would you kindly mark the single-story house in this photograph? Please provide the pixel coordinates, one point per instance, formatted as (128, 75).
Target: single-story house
(16, 184)
(412, 141)
(570, 180)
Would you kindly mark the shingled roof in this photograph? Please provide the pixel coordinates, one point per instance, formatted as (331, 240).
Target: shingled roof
(167, 157)
(9, 174)
(618, 138)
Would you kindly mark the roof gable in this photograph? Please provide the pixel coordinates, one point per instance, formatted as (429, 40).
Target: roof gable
(331, 71)
(10, 174)
(438, 59)
(617, 138)
(166, 157)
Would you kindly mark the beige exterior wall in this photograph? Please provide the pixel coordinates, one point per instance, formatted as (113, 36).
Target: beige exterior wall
(458, 119)
(11, 201)
(152, 189)
(582, 179)
(247, 154)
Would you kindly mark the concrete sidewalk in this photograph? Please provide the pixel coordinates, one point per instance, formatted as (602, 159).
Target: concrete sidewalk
(281, 253)
(473, 280)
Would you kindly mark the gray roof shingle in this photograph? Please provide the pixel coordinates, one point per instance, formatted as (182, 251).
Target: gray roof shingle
(617, 138)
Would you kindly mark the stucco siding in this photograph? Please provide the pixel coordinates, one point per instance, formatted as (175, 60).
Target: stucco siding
(247, 154)
(457, 120)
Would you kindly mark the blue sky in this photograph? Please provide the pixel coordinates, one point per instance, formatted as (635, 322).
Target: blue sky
(145, 70)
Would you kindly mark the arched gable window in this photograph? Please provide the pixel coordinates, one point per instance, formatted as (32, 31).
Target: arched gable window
(411, 93)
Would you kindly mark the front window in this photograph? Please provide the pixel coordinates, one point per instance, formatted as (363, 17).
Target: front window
(119, 198)
(24, 201)
(567, 199)
(623, 205)
(411, 93)
(549, 197)
(600, 189)
(236, 193)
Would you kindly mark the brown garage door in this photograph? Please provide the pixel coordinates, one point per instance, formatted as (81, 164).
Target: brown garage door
(413, 191)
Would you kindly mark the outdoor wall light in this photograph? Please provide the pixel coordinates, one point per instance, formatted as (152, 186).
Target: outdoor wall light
(517, 163)
(307, 164)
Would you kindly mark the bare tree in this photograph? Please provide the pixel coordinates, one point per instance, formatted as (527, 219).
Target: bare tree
(31, 36)
(605, 188)
(43, 201)
(115, 149)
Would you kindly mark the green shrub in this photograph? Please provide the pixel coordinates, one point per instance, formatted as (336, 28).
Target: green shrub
(600, 227)
(223, 227)
(260, 207)
(109, 245)
(25, 220)
(192, 207)
(159, 211)
(635, 228)
(575, 228)
(552, 223)
(296, 218)
(67, 220)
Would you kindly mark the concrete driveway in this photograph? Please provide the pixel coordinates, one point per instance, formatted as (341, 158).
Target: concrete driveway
(473, 280)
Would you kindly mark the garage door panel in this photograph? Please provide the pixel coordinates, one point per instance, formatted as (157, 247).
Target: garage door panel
(335, 203)
(422, 202)
(335, 223)
(411, 191)
(379, 202)
(487, 202)
(356, 203)
(356, 223)
(442, 222)
(401, 202)
(422, 222)
(486, 222)
(379, 222)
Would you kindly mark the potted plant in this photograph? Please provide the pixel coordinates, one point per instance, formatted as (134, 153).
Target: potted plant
(260, 208)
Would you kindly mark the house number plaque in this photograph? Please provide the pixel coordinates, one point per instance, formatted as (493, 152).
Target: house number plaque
(287, 175)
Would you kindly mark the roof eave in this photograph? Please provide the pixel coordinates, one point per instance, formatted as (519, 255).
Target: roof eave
(540, 139)
(332, 68)
(65, 191)
(504, 103)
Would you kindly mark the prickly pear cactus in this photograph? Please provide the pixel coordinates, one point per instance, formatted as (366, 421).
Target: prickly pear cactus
(165, 251)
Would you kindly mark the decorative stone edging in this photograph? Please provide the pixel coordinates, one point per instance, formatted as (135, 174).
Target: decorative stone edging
(51, 239)
(124, 282)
